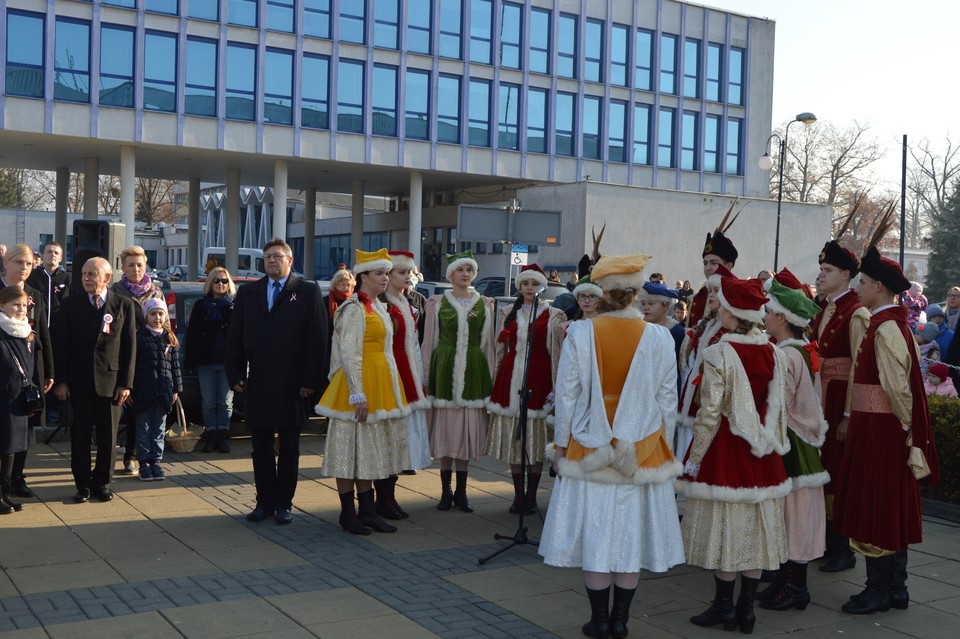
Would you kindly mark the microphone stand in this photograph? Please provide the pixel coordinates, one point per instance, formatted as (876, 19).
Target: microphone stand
(520, 537)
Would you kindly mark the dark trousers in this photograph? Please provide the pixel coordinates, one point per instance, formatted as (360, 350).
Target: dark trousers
(93, 414)
(276, 475)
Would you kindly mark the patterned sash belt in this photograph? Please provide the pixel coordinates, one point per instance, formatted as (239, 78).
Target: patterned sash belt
(870, 398)
(835, 368)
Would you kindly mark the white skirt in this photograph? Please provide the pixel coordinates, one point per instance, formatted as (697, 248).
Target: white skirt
(612, 528)
(418, 440)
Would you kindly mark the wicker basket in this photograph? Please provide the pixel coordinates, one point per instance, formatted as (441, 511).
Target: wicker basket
(185, 439)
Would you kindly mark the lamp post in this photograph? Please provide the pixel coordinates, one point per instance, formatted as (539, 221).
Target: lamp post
(766, 163)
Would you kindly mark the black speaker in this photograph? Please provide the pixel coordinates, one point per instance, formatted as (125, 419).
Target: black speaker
(96, 238)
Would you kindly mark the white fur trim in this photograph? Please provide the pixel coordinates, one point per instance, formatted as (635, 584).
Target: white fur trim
(621, 281)
(755, 316)
(516, 375)
(358, 398)
(460, 359)
(376, 416)
(539, 278)
(815, 480)
(713, 281)
(402, 261)
(454, 265)
(707, 492)
(587, 287)
(754, 337)
(777, 307)
(411, 349)
(606, 465)
(372, 265)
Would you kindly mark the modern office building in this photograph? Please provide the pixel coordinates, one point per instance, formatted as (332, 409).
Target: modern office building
(428, 102)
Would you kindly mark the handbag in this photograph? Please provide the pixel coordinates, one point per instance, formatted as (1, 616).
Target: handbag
(31, 392)
(916, 460)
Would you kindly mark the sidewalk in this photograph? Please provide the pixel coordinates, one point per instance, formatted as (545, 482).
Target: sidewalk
(177, 559)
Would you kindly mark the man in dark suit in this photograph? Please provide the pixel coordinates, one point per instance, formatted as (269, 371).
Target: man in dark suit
(95, 345)
(276, 349)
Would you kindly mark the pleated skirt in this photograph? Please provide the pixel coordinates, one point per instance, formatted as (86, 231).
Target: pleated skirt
(460, 433)
(503, 444)
(366, 451)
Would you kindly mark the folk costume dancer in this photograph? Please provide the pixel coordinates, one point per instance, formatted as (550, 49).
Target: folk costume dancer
(457, 354)
(838, 329)
(367, 435)
(889, 443)
(789, 312)
(718, 250)
(613, 512)
(734, 479)
(656, 300)
(406, 353)
(504, 404)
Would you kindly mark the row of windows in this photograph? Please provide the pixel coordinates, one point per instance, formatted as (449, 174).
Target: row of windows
(622, 55)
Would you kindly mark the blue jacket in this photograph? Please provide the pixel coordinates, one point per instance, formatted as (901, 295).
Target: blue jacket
(157, 375)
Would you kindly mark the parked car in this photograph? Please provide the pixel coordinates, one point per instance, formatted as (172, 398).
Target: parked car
(433, 288)
(493, 287)
(175, 273)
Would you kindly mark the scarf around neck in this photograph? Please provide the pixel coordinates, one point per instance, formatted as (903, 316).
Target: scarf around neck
(213, 308)
(141, 290)
(14, 327)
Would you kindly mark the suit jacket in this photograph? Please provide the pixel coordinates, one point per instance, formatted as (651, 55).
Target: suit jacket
(87, 359)
(278, 351)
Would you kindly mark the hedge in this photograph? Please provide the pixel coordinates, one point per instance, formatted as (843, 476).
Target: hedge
(945, 417)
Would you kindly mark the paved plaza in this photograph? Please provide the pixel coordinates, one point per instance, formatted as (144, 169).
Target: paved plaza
(177, 559)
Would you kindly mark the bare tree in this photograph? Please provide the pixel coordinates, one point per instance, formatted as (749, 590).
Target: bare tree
(108, 195)
(931, 179)
(155, 200)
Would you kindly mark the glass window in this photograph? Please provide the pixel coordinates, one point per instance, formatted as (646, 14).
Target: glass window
(617, 132)
(591, 127)
(316, 18)
(539, 40)
(280, 15)
(643, 71)
(130, 4)
(711, 144)
(478, 118)
(352, 17)
(278, 86)
(71, 61)
(735, 85)
(691, 68)
(242, 12)
(566, 112)
(386, 21)
(668, 63)
(25, 44)
(688, 141)
(641, 134)
(448, 109)
(567, 46)
(204, 9)
(511, 26)
(314, 88)
(160, 71)
(384, 100)
(508, 117)
(200, 87)
(418, 104)
(419, 14)
(665, 138)
(350, 96)
(734, 127)
(537, 120)
(481, 30)
(163, 6)
(593, 52)
(116, 66)
(451, 20)
(619, 54)
(714, 52)
(241, 81)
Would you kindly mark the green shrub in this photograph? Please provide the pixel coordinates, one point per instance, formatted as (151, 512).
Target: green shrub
(945, 418)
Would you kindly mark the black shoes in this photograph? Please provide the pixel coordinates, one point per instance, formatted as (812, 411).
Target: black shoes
(283, 517)
(446, 495)
(102, 494)
(876, 597)
(261, 512)
(620, 612)
(367, 512)
(348, 516)
(82, 496)
(599, 625)
(19, 487)
(460, 494)
(721, 610)
(839, 561)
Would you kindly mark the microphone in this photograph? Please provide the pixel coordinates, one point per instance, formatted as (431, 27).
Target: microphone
(540, 291)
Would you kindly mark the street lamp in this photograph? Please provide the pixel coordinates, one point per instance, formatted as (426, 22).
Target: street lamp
(766, 163)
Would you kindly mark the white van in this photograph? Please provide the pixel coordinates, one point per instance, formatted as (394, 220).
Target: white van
(250, 262)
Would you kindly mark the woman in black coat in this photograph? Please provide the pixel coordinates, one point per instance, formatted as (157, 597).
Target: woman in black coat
(18, 362)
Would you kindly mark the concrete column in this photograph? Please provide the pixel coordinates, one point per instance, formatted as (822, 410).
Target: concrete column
(128, 185)
(63, 207)
(309, 232)
(356, 221)
(416, 215)
(231, 230)
(280, 199)
(91, 187)
(193, 230)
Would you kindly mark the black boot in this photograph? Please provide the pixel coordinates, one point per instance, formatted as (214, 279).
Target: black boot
(19, 480)
(368, 513)
(745, 617)
(841, 557)
(795, 593)
(620, 613)
(460, 495)
(899, 597)
(211, 441)
(533, 482)
(876, 596)
(223, 445)
(721, 609)
(446, 495)
(7, 504)
(348, 516)
(599, 624)
(517, 493)
(384, 503)
(393, 497)
(778, 585)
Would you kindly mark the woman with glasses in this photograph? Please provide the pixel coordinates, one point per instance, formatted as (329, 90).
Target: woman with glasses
(206, 350)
